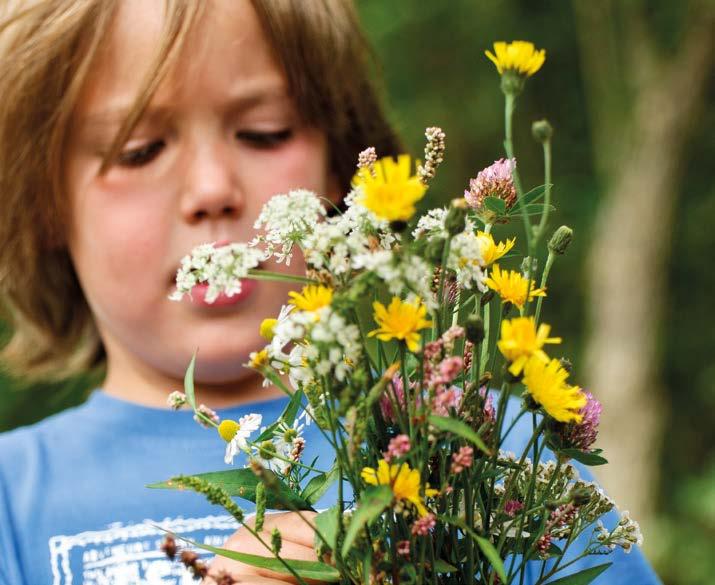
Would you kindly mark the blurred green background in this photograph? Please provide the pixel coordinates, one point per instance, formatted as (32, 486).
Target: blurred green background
(628, 87)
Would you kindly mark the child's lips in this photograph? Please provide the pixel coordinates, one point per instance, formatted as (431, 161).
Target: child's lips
(199, 292)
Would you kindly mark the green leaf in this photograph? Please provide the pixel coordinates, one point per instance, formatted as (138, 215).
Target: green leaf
(491, 553)
(457, 427)
(327, 525)
(495, 204)
(291, 410)
(372, 503)
(306, 569)
(534, 195)
(586, 457)
(441, 566)
(242, 483)
(189, 382)
(319, 484)
(582, 577)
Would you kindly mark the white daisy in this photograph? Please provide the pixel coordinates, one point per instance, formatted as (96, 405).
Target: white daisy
(236, 433)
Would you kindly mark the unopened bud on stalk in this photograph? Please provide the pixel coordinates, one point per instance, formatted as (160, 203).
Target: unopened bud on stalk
(456, 217)
(560, 240)
(475, 329)
(542, 131)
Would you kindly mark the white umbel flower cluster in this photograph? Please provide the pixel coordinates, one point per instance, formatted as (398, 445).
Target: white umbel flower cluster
(465, 258)
(286, 220)
(221, 268)
(319, 343)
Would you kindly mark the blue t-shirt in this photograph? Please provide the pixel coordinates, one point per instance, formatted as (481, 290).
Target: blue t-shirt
(74, 507)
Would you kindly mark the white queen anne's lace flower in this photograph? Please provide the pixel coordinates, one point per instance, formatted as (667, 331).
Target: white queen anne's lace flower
(222, 268)
(286, 220)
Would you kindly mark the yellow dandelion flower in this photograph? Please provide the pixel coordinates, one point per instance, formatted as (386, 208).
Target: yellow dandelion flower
(391, 193)
(266, 328)
(546, 382)
(519, 56)
(512, 287)
(311, 298)
(520, 341)
(258, 359)
(403, 481)
(400, 320)
(491, 252)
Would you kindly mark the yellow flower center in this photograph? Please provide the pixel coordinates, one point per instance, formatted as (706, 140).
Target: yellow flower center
(258, 359)
(311, 298)
(228, 429)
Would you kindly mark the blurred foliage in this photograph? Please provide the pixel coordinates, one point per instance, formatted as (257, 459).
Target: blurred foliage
(435, 73)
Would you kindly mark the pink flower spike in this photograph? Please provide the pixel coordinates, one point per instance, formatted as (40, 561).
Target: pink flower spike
(512, 507)
(494, 181)
(422, 526)
(462, 459)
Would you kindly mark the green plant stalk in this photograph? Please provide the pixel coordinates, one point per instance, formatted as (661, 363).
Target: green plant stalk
(260, 274)
(469, 509)
(440, 294)
(539, 231)
(485, 342)
(509, 105)
(544, 277)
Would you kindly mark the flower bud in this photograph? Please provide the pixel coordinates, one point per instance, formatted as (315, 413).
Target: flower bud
(560, 240)
(542, 131)
(475, 329)
(456, 217)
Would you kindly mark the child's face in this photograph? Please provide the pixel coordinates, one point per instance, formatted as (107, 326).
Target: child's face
(220, 138)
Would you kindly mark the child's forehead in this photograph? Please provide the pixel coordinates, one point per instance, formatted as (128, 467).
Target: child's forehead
(225, 52)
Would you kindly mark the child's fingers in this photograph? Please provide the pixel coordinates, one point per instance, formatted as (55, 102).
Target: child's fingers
(243, 541)
(293, 528)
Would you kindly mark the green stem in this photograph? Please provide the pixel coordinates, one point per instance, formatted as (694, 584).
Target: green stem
(547, 268)
(259, 274)
(509, 104)
(547, 193)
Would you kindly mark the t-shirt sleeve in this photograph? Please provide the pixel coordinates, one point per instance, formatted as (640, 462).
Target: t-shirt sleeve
(10, 573)
(630, 568)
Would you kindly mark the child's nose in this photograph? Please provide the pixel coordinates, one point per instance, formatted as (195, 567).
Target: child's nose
(211, 189)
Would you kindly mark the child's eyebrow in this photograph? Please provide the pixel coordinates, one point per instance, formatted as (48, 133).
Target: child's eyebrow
(241, 102)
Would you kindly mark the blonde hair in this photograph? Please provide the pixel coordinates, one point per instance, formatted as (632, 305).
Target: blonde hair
(47, 49)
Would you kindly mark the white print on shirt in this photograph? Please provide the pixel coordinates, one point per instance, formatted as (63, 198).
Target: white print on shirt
(129, 554)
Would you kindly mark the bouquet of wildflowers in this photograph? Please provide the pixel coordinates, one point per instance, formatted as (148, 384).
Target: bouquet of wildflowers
(411, 336)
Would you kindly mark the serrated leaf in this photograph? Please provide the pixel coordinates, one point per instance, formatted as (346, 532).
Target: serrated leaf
(495, 204)
(241, 483)
(590, 458)
(319, 484)
(189, 383)
(582, 577)
(373, 502)
(457, 427)
(306, 569)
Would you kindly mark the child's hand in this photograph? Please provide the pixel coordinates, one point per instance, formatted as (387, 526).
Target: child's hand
(297, 538)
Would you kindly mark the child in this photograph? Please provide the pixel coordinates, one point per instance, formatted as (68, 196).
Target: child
(131, 131)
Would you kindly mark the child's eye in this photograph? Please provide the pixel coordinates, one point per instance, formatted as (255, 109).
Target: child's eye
(137, 157)
(265, 139)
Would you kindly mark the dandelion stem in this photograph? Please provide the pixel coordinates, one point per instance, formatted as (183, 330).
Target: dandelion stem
(539, 231)
(544, 277)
